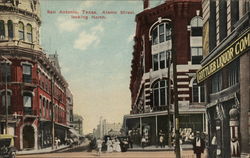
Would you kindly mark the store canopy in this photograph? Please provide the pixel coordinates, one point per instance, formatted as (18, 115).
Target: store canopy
(74, 133)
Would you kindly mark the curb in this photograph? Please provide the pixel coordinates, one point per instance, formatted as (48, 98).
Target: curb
(41, 152)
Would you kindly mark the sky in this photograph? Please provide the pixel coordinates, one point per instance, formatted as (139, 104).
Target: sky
(94, 54)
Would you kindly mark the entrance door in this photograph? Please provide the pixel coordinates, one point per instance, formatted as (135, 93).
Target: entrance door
(28, 137)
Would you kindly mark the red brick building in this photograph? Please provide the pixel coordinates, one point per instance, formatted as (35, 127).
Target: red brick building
(151, 84)
(36, 89)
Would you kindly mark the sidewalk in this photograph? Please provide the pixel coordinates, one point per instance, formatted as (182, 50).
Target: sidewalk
(158, 148)
(42, 151)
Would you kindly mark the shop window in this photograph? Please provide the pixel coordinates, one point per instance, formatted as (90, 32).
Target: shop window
(196, 26)
(29, 33)
(217, 82)
(21, 31)
(196, 55)
(160, 93)
(27, 73)
(233, 73)
(161, 33)
(10, 29)
(2, 30)
(27, 103)
(198, 92)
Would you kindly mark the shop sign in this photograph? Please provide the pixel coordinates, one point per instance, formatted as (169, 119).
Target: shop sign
(237, 48)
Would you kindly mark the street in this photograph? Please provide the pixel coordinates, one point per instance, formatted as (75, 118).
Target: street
(161, 154)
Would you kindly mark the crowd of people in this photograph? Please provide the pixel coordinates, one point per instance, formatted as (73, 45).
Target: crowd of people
(107, 144)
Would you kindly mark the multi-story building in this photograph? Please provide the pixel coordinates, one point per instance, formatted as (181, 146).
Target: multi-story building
(171, 27)
(105, 128)
(226, 75)
(77, 124)
(70, 116)
(32, 87)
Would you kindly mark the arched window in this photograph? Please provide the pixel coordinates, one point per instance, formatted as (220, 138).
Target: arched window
(198, 92)
(196, 31)
(2, 29)
(161, 33)
(160, 93)
(44, 104)
(29, 33)
(8, 100)
(10, 29)
(21, 30)
(196, 26)
(5, 72)
(40, 105)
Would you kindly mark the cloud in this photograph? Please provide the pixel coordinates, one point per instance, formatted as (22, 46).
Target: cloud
(86, 39)
(88, 4)
(67, 25)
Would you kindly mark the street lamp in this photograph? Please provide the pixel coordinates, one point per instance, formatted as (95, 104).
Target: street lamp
(6, 61)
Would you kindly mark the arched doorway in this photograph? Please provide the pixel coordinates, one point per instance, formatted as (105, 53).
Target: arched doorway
(28, 137)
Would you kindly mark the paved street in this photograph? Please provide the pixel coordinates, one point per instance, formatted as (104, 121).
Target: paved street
(161, 154)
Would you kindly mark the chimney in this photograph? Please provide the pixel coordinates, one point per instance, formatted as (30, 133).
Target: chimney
(145, 4)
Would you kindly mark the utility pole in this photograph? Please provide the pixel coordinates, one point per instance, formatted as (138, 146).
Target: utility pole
(6, 106)
(169, 99)
(52, 113)
(176, 107)
(7, 61)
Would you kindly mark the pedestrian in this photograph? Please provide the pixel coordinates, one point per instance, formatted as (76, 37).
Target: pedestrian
(99, 146)
(130, 141)
(143, 142)
(198, 145)
(109, 145)
(56, 142)
(117, 145)
(161, 140)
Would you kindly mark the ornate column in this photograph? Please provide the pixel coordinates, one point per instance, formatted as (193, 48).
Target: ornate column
(6, 37)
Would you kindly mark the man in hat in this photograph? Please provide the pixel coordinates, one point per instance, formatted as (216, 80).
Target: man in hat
(198, 145)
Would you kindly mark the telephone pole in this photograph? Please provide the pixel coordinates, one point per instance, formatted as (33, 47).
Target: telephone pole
(169, 99)
(52, 113)
(6, 61)
(176, 107)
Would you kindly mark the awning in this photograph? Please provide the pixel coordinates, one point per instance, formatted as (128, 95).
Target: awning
(73, 133)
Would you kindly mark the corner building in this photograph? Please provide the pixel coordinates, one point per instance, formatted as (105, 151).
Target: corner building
(225, 74)
(32, 87)
(172, 27)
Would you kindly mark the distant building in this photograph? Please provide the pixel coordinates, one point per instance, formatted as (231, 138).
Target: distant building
(172, 27)
(104, 128)
(77, 124)
(69, 100)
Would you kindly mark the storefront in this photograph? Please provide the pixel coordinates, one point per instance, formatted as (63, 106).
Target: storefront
(152, 125)
(226, 75)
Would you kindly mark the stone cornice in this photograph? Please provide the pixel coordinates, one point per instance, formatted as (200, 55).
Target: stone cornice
(20, 11)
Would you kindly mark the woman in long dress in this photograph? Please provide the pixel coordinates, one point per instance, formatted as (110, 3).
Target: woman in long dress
(109, 145)
(117, 145)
